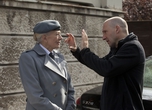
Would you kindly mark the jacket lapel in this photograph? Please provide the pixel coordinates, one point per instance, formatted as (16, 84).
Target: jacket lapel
(62, 65)
(50, 63)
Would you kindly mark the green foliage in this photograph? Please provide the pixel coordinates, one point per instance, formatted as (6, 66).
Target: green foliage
(148, 72)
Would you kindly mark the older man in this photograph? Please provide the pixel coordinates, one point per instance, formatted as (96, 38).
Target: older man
(43, 71)
(122, 68)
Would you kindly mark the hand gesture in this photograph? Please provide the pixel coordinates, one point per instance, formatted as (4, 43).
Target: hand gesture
(71, 42)
(84, 40)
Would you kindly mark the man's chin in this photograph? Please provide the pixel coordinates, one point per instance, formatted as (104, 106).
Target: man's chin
(57, 47)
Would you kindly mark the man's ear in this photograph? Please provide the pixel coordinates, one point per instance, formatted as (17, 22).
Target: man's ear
(44, 37)
(117, 28)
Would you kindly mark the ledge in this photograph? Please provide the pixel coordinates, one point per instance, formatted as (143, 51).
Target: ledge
(62, 8)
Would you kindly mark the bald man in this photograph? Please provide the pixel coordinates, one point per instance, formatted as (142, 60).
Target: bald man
(122, 68)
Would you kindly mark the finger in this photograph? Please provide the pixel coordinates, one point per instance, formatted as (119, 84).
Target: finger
(67, 34)
(71, 47)
(70, 35)
(84, 32)
(66, 40)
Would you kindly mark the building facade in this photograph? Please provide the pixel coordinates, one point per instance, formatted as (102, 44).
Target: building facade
(17, 19)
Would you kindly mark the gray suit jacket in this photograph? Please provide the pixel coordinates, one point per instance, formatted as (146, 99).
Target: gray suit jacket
(44, 83)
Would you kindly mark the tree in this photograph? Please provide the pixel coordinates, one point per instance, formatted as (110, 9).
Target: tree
(138, 10)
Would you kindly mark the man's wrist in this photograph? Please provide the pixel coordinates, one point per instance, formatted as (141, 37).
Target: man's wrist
(74, 49)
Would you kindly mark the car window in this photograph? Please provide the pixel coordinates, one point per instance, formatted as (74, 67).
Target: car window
(148, 72)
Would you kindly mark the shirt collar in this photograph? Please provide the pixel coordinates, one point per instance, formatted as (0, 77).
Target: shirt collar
(46, 50)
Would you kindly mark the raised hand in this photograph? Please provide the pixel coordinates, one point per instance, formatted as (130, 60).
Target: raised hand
(84, 40)
(71, 42)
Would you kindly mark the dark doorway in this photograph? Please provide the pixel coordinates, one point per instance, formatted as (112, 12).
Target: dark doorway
(143, 29)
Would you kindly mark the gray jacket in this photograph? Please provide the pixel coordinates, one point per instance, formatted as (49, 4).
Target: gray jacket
(44, 83)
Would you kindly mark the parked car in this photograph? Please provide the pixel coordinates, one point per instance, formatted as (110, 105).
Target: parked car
(90, 100)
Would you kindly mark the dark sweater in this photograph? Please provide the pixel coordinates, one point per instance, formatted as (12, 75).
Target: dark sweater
(122, 70)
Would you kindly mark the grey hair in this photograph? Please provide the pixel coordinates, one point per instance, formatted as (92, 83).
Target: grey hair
(37, 37)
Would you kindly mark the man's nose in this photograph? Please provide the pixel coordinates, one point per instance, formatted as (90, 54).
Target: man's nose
(103, 37)
(61, 37)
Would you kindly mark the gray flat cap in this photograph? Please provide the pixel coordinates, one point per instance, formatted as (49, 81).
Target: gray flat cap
(46, 26)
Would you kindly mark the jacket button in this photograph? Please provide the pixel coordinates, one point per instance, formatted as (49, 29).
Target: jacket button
(64, 81)
(66, 93)
(53, 83)
(55, 95)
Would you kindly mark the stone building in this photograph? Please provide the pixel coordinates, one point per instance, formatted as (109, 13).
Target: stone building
(17, 18)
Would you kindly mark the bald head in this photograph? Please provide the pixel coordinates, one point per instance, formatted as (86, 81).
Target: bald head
(114, 21)
(114, 29)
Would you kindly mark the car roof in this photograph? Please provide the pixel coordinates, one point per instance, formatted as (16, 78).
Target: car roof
(147, 94)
